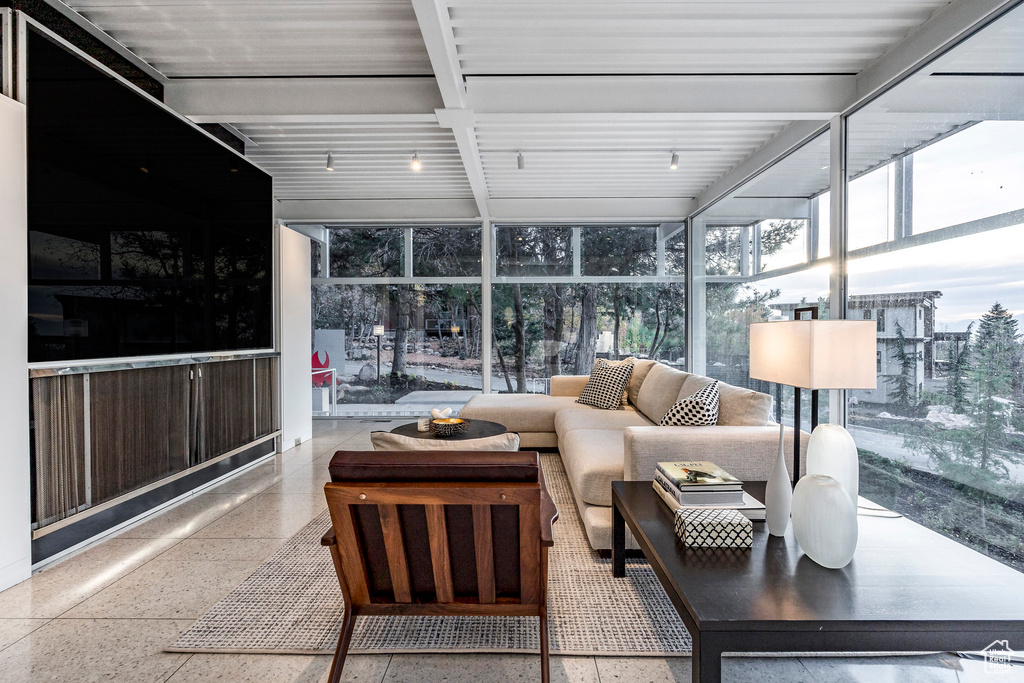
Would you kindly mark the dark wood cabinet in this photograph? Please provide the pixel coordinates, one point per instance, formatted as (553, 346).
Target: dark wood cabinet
(100, 435)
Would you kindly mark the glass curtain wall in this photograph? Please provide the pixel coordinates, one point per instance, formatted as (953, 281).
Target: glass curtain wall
(566, 295)
(561, 296)
(936, 246)
(397, 324)
(763, 253)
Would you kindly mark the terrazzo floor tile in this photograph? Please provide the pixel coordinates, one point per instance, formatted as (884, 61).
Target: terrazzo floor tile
(309, 479)
(165, 590)
(95, 650)
(13, 630)
(268, 516)
(252, 669)
(56, 589)
(470, 668)
(187, 517)
(251, 550)
(734, 670)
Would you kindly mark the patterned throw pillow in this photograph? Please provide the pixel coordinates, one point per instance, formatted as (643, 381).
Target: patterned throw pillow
(606, 384)
(612, 363)
(698, 410)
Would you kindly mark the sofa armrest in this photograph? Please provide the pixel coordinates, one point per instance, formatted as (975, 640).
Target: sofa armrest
(568, 385)
(747, 453)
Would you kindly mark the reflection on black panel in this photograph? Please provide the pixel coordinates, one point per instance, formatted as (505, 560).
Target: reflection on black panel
(145, 236)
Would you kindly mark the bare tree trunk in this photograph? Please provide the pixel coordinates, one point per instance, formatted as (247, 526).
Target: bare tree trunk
(618, 315)
(401, 331)
(587, 338)
(554, 325)
(501, 362)
(519, 332)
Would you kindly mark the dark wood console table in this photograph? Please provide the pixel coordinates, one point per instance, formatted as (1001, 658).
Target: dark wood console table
(908, 589)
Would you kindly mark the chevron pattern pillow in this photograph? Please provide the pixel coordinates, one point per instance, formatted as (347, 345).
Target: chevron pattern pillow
(698, 410)
(606, 384)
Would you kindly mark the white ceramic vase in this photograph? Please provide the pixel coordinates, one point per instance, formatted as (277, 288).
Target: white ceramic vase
(824, 521)
(778, 494)
(831, 451)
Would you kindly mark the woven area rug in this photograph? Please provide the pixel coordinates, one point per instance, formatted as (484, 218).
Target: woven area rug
(292, 604)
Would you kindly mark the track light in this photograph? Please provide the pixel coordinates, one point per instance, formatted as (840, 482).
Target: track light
(521, 161)
(674, 164)
(330, 161)
(415, 163)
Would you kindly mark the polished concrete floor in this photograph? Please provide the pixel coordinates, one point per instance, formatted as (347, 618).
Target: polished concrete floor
(107, 612)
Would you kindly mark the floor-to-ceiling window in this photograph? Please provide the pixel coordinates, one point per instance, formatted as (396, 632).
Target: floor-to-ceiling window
(561, 296)
(763, 253)
(565, 295)
(936, 247)
(397, 324)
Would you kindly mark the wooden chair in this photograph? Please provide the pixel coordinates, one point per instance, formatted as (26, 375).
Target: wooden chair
(439, 533)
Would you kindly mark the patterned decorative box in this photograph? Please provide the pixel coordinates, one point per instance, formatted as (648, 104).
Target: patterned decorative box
(713, 528)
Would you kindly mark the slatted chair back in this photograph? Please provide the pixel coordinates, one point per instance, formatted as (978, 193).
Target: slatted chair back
(440, 533)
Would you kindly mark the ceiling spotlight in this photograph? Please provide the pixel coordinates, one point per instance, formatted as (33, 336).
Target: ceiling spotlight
(415, 164)
(330, 161)
(674, 164)
(521, 161)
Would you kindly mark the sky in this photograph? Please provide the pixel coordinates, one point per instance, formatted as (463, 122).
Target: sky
(973, 174)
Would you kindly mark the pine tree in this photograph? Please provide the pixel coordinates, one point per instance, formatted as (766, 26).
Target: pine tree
(960, 365)
(996, 352)
(904, 393)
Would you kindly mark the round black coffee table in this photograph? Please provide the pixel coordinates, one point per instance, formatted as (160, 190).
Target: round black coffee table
(478, 429)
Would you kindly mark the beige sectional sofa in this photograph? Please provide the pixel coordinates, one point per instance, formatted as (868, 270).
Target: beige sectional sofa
(601, 446)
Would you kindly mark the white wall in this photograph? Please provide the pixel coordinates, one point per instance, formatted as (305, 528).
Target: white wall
(15, 500)
(294, 339)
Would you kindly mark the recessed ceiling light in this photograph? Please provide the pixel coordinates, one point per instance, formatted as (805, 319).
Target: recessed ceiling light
(330, 161)
(674, 164)
(415, 164)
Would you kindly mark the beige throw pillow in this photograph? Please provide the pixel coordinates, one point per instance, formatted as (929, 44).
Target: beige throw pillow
(386, 441)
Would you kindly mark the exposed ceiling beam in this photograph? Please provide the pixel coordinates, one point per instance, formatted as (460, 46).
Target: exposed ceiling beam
(313, 100)
(788, 98)
(744, 210)
(947, 27)
(791, 137)
(463, 126)
(591, 209)
(369, 210)
(439, 38)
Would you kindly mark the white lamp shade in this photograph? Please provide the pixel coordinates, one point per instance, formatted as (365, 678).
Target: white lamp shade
(814, 354)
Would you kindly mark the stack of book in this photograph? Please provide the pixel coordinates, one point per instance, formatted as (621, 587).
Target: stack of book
(704, 485)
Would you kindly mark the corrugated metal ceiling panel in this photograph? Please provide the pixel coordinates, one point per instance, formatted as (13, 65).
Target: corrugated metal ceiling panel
(725, 36)
(183, 38)
(371, 161)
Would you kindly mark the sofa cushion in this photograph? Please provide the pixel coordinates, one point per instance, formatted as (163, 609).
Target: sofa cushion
(640, 369)
(523, 412)
(606, 387)
(660, 390)
(569, 419)
(593, 459)
(737, 407)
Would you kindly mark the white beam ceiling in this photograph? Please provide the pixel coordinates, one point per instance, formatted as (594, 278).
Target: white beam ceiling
(596, 94)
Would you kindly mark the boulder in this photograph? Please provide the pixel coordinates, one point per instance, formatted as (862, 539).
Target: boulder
(368, 372)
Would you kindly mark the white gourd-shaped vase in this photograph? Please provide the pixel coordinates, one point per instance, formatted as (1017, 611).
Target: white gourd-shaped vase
(778, 494)
(832, 451)
(825, 521)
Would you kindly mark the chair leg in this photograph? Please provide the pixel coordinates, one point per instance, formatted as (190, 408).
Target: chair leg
(348, 622)
(545, 668)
